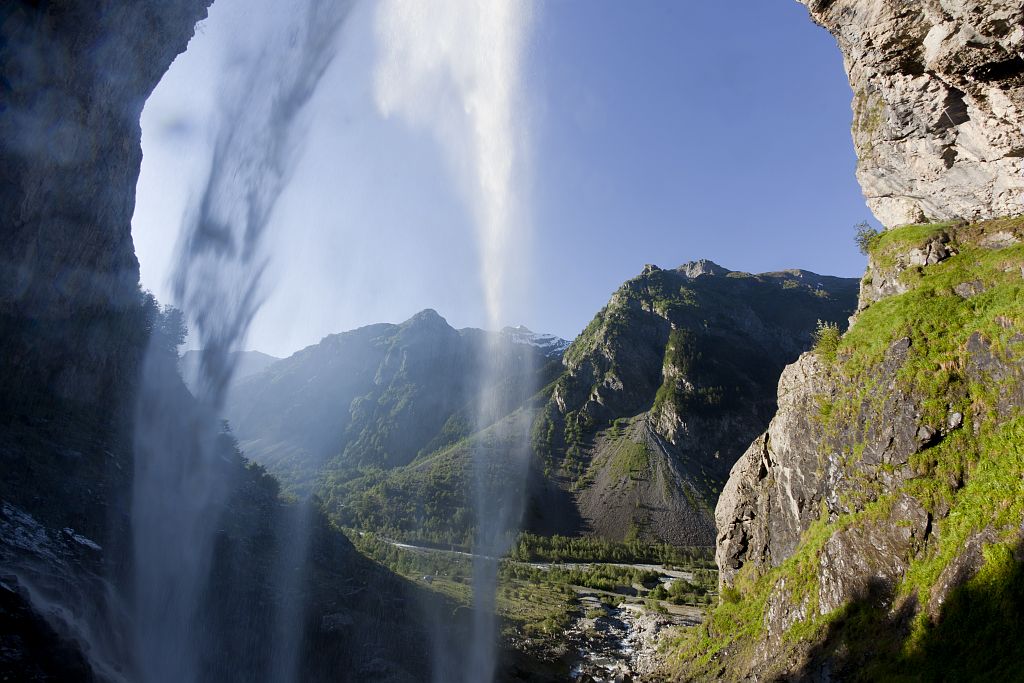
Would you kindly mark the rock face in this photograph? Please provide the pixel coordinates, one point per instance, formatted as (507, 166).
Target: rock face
(886, 478)
(760, 517)
(938, 103)
(666, 388)
(76, 76)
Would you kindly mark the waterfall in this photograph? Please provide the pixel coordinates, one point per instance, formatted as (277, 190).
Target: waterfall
(181, 477)
(472, 53)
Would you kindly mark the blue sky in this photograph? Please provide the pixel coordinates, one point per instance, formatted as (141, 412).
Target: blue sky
(654, 132)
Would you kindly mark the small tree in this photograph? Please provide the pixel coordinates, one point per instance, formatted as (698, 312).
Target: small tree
(864, 236)
(826, 340)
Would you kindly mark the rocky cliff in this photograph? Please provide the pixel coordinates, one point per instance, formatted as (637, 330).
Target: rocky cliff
(665, 389)
(885, 496)
(76, 76)
(887, 493)
(938, 103)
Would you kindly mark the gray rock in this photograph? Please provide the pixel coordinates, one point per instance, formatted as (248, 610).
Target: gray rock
(67, 241)
(963, 567)
(75, 81)
(694, 269)
(883, 277)
(927, 435)
(938, 100)
(796, 472)
(965, 290)
(998, 240)
(774, 491)
(865, 562)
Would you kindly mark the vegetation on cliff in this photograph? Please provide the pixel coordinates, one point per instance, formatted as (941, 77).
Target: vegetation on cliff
(950, 347)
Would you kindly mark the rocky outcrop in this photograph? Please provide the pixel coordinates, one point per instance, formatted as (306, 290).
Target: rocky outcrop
(938, 104)
(865, 476)
(76, 75)
(775, 489)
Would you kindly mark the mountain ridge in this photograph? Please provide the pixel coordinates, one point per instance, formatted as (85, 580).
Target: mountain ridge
(637, 441)
(665, 388)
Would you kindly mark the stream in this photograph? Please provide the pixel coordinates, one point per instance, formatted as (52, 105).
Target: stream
(613, 643)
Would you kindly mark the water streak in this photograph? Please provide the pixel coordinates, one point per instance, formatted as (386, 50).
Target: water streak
(181, 476)
(453, 68)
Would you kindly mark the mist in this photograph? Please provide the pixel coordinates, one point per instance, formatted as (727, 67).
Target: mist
(181, 480)
(454, 69)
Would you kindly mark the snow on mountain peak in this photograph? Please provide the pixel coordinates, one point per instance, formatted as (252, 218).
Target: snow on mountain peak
(549, 344)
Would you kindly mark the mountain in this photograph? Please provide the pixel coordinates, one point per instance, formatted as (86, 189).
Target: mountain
(647, 411)
(550, 345)
(246, 363)
(664, 390)
(381, 396)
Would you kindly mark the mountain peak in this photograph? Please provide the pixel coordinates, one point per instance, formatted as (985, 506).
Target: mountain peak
(694, 269)
(426, 317)
(549, 344)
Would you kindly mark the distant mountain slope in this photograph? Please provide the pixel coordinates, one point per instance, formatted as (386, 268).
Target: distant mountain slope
(648, 410)
(247, 363)
(378, 397)
(664, 390)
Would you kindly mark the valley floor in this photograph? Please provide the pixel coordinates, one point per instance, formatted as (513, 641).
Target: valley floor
(581, 621)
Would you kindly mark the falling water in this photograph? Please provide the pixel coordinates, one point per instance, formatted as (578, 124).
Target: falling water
(180, 478)
(472, 50)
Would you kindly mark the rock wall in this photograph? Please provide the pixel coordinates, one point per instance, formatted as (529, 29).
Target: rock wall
(938, 104)
(892, 471)
(76, 76)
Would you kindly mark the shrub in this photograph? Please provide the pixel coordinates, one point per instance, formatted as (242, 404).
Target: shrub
(731, 595)
(864, 236)
(826, 340)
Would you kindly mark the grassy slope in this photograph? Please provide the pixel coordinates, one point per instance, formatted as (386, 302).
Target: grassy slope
(977, 473)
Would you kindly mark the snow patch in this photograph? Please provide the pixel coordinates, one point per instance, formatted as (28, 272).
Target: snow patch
(550, 345)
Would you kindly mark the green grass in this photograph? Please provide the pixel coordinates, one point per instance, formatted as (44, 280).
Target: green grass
(977, 477)
(630, 459)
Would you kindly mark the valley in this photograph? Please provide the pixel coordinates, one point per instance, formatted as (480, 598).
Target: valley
(723, 476)
(571, 620)
(633, 426)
